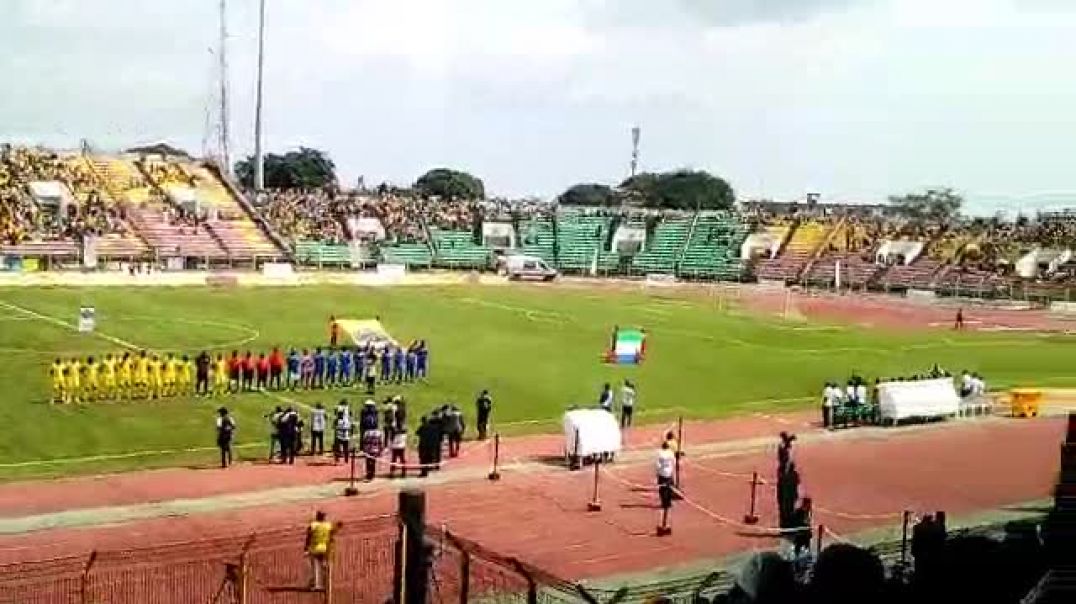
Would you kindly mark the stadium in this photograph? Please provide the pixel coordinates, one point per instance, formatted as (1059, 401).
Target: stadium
(660, 391)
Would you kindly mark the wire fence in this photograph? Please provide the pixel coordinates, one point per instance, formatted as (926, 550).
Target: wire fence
(265, 567)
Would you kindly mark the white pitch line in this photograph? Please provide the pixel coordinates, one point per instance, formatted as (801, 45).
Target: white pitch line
(66, 325)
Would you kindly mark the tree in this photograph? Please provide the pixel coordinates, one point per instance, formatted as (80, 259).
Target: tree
(940, 206)
(305, 168)
(588, 194)
(450, 184)
(682, 190)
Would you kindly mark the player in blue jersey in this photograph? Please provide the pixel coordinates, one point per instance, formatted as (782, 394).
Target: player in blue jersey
(386, 364)
(399, 364)
(331, 365)
(423, 360)
(345, 367)
(293, 369)
(412, 362)
(319, 369)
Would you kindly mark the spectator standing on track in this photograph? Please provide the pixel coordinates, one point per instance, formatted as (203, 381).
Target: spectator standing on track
(274, 418)
(289, 429)
(398, 448)
(627, 403)
(341, 437)
(827, 405)
(454, 427)
(225, 431)
(959, 323)
(800, 522)
(401, 412)
(666, 465)
(788, 492)
(483, 409)
(437, 436)
(425, 440)
(388, 418)
(319, 542)
(372, 446)
(318, 419)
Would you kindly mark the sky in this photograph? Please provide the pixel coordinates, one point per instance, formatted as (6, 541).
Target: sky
(851, 99)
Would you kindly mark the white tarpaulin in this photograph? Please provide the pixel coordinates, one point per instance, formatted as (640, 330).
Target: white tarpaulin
(597, 430)
(918, 398)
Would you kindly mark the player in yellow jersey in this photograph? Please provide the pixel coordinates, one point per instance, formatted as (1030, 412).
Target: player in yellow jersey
(91, 386)
(220, 375)
(141, 380)
(156, 377)
(56, 376)
(185, 381)
(74, 380)
(170, 375)
(125, 370)
(108, 377)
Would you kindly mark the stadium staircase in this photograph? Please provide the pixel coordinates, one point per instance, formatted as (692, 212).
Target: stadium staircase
(806, 238)
(857, 266)
(263, 225)
(664, 247)
(174, 240)
(581, 242)
(113, 187)
(538, 238)
(234, 228)
(457, 249)
(712, 250)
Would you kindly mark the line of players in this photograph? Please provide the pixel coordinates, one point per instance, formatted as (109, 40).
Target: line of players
(150, 376)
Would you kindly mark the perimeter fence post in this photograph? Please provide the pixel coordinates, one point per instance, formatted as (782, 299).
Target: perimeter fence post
(84, 580)
(465, 575)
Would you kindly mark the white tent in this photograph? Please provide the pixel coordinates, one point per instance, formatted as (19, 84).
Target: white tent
(589, 432)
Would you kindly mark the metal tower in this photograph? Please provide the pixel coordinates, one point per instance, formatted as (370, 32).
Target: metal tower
(259, 167)
(635, 132)
(222, 56)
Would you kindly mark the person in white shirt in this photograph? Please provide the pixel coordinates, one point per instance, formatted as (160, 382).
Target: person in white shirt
(398, 449)
(829, 394)
(627, 403)
(861, 394)
(850, 394)
(978, 386)
(965, 384)
(666, 465)
(318, 420)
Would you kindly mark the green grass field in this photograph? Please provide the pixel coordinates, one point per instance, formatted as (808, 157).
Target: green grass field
(536, 348)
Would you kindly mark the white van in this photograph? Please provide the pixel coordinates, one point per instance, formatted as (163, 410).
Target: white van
(530, 268)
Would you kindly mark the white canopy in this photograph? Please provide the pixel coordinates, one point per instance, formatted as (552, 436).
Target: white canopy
(919, 398)
(597, 430)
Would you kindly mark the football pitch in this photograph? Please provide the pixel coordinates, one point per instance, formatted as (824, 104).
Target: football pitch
(536, 348)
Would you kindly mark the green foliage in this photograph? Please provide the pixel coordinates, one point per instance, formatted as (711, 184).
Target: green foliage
(940, 206)
(305, 168)
(450, 184)
(588, 194)
(679, 190)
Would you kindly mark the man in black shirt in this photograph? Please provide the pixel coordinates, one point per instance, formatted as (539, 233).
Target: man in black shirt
(201, 380)
(225, 430)
(483, 408)
(288, 433)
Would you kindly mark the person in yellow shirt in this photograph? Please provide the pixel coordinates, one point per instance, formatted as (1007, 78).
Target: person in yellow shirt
(220, 375)
(142, 376)
(74, 380)
(126, 375)
(56, 375)
(185, 384)
(91, 384)
(108, 377)
(156, 377)
(319, 542)
(170, 375)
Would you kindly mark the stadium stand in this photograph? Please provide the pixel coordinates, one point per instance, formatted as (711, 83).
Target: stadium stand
(538, 238)
(322, 253)
(581, 243)
(457, 249)
(806, 237)
(412, 255)
(664, 247)
(713, 248)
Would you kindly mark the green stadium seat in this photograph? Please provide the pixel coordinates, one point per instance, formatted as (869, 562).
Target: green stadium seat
(663, 247)
(457, 249)
(713, 248)
(412, 255)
